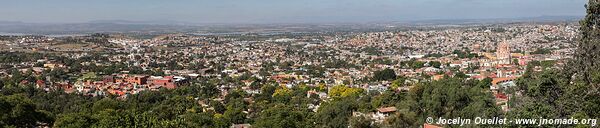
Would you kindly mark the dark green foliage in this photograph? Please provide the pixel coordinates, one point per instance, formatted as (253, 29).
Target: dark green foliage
(386, 74)
(571, 92)
(574, 91)
(204, 120)
(361, 122)
(371, 51)
(463, 54)
(436, 55)
(25, 106)
(448, 98)
(74, 120)
(547, 63)
(460, 75)
(542, 51)
(402, 119)
(18, 57)
(274, 107)
(386, 99)
(587, 54)
(106, 103)
(338, 64)
(435, 64)
(335, 114)
(283, 116)
(19, 110)
(414, 64)
(485, 83)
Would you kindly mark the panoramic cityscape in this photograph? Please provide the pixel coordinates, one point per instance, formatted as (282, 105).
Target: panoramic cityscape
(79, 67)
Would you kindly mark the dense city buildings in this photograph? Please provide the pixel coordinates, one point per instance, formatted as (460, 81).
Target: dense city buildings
(339, 59)
(119, 65)
(299, 64)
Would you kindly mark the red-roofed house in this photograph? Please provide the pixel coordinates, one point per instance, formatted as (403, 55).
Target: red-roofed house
(431, 126)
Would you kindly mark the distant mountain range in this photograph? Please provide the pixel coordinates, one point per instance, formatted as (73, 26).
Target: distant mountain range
(166, 26)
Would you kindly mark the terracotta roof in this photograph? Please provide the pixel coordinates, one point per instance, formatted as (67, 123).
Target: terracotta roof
(495, 81)
(387, 109)
(431, 126)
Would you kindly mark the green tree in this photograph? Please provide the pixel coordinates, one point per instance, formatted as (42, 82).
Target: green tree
(198, 120)
(106, 103)
(435, 64)
(398, 83)
(282, 95)
(584, 64)
(74, 120)
(485, 83)
(18, 110)
(335, 114)
(361, 122)
(282, 116)
(235, 111)
(402, 119)
(111, 118)
(235, 115)
(385, 74)
(342, 91)
(218, 106)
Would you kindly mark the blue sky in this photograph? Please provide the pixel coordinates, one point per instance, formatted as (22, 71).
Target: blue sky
(280, 11)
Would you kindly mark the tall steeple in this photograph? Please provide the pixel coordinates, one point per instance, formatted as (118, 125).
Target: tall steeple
(503, 52)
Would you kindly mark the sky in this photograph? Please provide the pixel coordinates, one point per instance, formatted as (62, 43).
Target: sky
(280, 11)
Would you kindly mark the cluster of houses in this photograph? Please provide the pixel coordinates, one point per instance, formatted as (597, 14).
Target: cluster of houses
(124, 84)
